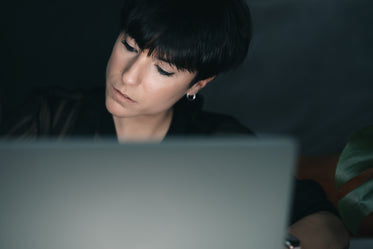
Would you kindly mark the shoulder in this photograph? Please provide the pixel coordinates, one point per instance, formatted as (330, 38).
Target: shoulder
(309, 197)
(47, 111)
(190, 119)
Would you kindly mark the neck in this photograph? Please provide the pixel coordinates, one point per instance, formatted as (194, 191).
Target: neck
(152, 128)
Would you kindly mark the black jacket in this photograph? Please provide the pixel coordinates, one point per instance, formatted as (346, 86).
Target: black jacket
(59, 113)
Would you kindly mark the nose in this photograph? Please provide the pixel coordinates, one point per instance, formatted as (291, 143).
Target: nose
(133, 71)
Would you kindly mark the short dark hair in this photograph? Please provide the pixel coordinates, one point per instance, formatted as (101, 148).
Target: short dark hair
(203, 36)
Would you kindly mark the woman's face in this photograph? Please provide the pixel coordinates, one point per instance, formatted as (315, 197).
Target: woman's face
(142, 85)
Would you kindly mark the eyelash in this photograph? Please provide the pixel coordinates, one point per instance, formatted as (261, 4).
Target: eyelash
(160, 70)
(163, 72)
(129, 47)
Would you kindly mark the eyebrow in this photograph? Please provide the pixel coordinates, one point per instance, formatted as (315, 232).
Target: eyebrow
(164, 60)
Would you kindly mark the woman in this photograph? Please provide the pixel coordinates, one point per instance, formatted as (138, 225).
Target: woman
(168, 49)
(166, 52)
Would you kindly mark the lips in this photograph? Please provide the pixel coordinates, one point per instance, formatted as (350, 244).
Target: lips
(121, 96)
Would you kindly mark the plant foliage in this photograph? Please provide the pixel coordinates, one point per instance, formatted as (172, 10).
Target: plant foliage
(356, 158)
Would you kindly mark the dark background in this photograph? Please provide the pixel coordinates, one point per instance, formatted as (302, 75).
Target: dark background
(309, 72)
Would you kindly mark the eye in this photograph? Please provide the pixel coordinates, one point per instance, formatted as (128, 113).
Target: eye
(163, 72)
(129, 47)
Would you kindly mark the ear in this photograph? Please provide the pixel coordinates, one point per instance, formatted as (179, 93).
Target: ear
(199, 85)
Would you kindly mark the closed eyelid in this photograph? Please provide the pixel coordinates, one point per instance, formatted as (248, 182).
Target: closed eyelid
(163, 66)
(164, 72)
(130, 41)
(128, 47)
(167, 65)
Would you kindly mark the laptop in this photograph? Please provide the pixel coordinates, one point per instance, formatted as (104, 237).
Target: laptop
(181, 194)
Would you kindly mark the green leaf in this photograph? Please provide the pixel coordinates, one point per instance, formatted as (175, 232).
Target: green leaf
(356, 205)
(356, 157)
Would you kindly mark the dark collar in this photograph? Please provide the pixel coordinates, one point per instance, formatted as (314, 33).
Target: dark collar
(184, 111)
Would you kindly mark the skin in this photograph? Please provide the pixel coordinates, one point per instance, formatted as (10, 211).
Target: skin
(141, 91)
(322, 230)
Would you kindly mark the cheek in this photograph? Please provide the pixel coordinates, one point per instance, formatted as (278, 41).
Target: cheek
(111, 64)
(115, 60)
(108, 67)
(167, 92)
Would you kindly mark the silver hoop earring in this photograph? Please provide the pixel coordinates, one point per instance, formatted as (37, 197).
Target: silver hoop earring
(190, 97)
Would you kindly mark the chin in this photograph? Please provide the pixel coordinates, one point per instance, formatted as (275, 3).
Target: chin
(115, 108)
(112, 106)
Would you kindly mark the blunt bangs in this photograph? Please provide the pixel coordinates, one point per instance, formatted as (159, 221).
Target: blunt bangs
(205, 36)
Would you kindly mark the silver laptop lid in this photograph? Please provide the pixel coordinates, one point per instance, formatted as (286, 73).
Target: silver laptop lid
(200, 194)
